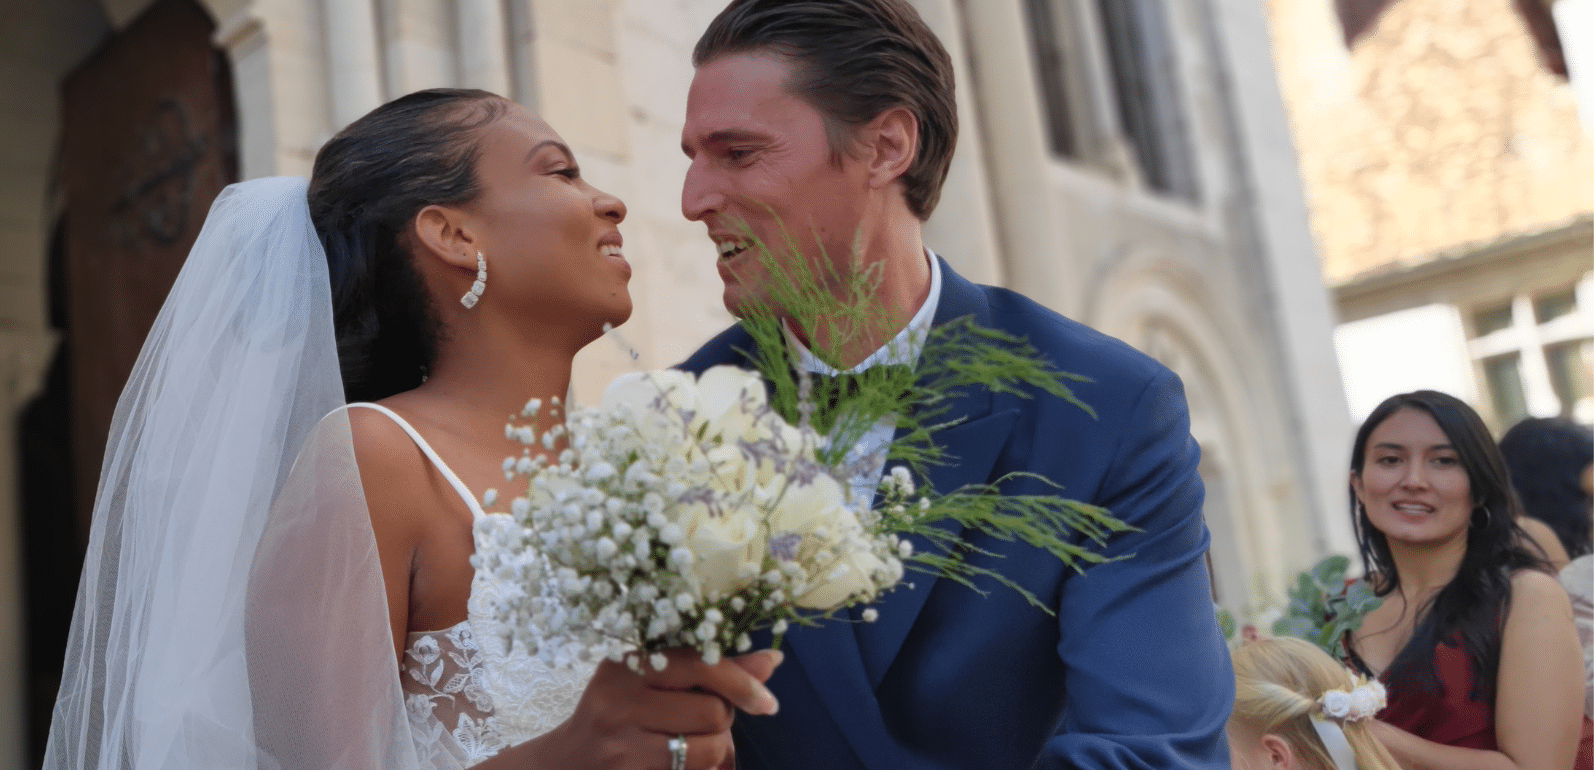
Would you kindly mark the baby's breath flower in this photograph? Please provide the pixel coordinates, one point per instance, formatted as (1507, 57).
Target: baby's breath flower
(675, 549)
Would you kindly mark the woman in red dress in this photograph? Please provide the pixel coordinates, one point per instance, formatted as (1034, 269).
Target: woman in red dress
(1474, 639)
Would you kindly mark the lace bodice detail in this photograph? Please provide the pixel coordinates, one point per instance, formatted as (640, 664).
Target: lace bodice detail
(446, 697)
(467, 691)
(472, 695)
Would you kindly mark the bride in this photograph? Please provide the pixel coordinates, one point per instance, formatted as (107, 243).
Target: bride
(279, 573)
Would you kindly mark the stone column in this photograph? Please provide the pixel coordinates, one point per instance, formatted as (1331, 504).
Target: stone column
(962, 228)
(522, 54)
(282, 84)
(1296, 301)
(353, 69)
(1037, 259)
(483, 46)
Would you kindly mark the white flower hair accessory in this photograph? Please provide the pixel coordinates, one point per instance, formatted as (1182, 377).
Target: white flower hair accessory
(1363, 700)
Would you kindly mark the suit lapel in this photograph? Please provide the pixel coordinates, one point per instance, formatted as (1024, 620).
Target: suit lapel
(971, 445)
(829, 656)
(970, 460)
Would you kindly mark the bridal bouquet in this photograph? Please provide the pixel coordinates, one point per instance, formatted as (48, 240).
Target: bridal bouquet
(691, 511)
(684, 513)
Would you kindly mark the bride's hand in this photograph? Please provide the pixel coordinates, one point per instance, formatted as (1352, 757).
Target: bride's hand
(625, 721)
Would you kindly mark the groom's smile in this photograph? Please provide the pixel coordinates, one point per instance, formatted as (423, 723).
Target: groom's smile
(763, 168)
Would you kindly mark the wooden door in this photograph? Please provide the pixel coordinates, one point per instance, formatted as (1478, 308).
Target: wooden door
(148, 141)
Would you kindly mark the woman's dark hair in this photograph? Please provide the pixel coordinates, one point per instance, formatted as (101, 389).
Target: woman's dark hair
(1470, 610)
(1547, 457)
(368, 184)
(854, 59)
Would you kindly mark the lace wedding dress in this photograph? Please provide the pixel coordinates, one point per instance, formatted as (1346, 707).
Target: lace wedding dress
(469, 694)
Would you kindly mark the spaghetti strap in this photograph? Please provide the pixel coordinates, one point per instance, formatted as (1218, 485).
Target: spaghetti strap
(431, 454)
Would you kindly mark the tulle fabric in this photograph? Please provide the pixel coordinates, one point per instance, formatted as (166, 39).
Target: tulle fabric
(231, 612)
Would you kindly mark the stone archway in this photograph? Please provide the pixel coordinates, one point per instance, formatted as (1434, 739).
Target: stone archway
(1258, 520)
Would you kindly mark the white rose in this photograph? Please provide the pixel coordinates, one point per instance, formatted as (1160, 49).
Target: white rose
(803, 508)
(722, 545)
(1336, 703)
(654, 401)
(852, 573)
(731, 475)
(552, 491)
(728, 402)
(816, 511)
(728, 538)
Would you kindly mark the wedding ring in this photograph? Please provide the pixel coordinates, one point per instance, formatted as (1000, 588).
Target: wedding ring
(678, 753)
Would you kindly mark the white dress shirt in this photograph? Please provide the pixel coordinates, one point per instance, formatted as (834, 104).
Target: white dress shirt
(902, 349)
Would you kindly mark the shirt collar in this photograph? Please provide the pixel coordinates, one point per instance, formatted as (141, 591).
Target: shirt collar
(901, 349)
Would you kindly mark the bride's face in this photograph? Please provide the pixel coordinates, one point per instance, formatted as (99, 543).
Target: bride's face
(551, 240)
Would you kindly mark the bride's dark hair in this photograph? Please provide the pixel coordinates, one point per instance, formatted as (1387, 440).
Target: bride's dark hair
(367, 185)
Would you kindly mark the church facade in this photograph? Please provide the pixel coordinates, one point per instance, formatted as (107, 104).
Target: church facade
(1125, 162)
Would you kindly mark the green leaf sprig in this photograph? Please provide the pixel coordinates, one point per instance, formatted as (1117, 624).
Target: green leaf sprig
(832, 306)
(1323, 608)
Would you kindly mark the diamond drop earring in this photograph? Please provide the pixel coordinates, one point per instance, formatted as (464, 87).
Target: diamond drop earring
(476, 289)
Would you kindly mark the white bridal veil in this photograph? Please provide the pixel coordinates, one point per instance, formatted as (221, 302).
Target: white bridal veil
(231, 612)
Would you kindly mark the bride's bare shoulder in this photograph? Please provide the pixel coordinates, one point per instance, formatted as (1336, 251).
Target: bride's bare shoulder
(392, 467)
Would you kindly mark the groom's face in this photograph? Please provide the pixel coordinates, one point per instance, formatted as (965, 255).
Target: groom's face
(760, 162)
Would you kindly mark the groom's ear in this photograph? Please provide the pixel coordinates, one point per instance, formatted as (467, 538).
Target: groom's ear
(889, 144)
(440, 233)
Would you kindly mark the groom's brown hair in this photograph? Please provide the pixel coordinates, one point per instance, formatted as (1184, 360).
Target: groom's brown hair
(854, 59)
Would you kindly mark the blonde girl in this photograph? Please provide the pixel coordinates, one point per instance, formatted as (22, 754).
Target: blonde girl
(1295, 708)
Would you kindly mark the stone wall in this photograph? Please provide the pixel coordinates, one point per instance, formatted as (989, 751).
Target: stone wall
(1439, 128)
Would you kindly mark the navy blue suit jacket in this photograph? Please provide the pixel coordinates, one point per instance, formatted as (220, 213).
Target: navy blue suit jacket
(1131, 673)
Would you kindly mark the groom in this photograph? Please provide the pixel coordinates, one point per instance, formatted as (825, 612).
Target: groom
(836, 120)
